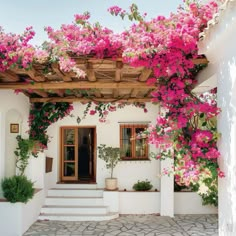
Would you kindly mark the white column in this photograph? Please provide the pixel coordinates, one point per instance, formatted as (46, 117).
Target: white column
(227, 146)
(167, 189)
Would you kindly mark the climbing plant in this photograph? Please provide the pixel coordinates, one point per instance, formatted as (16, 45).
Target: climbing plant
(42, 115)
(168, 46)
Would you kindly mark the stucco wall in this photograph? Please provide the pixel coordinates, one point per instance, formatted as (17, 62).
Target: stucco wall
(219, 47)
(128, 172)
(16, 218)
(13, 109)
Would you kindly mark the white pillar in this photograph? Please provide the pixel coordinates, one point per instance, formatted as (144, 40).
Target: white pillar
(227, 146)
(167, 189)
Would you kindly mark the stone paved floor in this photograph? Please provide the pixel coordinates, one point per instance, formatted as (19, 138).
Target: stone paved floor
(126, 225)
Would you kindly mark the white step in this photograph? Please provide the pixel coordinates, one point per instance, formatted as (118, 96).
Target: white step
(87, 210)
(81, 186)
(70, 201)
(75, 192)
(79, 217)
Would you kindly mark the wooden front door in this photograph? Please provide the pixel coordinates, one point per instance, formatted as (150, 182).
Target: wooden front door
(78, 151)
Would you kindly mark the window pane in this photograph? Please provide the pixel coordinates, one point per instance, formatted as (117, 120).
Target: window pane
(140, 147)
(140, 143)
(69, 169)
(126, 142)
(127, 133)
(69, 154)
(69, 136)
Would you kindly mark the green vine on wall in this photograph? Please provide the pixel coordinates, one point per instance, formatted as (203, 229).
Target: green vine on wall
(25, 148)
(42, 115)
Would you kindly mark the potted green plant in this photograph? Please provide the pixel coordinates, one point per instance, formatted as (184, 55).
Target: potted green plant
(142, 185)
(111, 155)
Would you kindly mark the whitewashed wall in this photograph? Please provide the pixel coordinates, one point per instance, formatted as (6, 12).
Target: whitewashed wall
(191, 203)
(220, 49)
(128, 172)
(13, 109)
(16, 218)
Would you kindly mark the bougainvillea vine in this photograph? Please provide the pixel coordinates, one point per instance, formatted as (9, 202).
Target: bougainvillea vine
(168, 46)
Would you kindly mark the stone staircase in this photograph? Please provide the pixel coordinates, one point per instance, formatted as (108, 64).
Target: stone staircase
(76, 202)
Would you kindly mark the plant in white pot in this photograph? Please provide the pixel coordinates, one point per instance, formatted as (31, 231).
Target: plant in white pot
(111, 155)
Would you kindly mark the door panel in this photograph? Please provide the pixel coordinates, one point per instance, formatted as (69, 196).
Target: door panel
(78, 153)
(69, 155)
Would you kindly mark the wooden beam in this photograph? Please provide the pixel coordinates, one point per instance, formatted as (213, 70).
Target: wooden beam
(119, 66)
(9, 76)
(97, 93)
(199, 61)
(60, 92)
(115, 93)
(76, 85)
(145, 74)
(134, 93)
(85, 100)
(32, 73)
(58, 72)
(90, 72)
(40, 93)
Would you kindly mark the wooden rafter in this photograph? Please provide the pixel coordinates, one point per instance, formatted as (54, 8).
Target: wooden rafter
(90, 72)
(41, 93)
(76, 85)
(77, 99)
(145, 74)
(58, 72)
(32, 73)
(115, 93)
(9, 75)
(119, 66)
(107, 80)
(97, 93)
(134, 93)
(199, 61)
(60, 92)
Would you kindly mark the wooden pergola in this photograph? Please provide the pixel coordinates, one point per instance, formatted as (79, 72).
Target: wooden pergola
(107, 80)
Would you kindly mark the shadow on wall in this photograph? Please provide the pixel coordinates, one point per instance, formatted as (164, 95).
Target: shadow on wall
(13, 121)
(227, 143)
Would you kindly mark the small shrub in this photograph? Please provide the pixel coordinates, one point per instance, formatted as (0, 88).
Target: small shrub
(142, 185)
(17, 189)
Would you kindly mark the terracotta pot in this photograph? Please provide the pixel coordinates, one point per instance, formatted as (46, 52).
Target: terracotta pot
(111, 184)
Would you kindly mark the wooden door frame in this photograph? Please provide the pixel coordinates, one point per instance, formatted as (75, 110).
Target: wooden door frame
(94, 150)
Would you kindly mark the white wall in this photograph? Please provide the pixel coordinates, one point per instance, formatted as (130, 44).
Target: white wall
(16, 218)
(191, 203)
(2, 148)
(139, 202)
(219, 47)
(128, 172)
(12, 117)
(13, 108)
(35, 171)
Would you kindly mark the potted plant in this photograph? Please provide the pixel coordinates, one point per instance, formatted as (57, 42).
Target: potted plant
(111, 155)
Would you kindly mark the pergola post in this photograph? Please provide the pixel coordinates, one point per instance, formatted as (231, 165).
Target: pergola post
(167, 189)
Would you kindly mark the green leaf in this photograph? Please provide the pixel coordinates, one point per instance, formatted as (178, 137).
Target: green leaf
(202, 115)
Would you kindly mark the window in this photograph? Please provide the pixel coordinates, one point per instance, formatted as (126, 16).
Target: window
(133, 146)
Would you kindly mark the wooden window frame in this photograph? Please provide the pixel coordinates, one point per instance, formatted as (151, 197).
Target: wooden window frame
(133, 140)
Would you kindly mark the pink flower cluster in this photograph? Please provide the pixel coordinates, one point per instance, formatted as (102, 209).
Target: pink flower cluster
(168, 46)
(15, 50)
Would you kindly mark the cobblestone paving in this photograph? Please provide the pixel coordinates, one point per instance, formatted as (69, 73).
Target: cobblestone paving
(126, 225)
